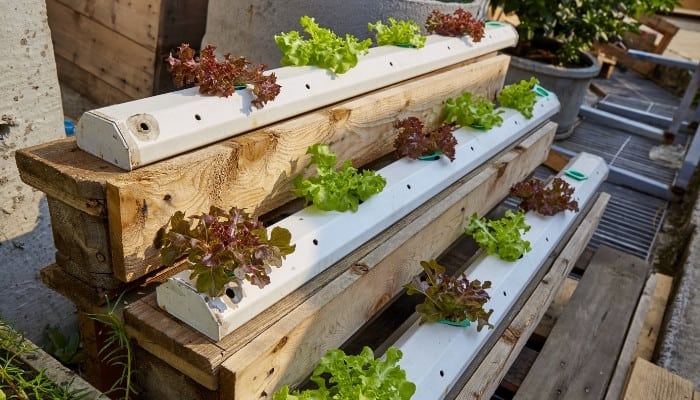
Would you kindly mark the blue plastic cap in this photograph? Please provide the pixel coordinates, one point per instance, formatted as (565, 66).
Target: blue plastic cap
(69, 127)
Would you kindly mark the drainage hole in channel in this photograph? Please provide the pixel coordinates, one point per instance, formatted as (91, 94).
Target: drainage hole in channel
(391, 63)
(504, 293)
(515, 122)
(471, 147)
(546, 239)
(409, 187)
(144, 127)
(308, 86)
(231, 293)
(315, 242)
(449, 48)
(442, 373)
(198, 117)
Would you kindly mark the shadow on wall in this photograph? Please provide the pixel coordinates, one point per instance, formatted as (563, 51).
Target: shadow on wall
(21, 287)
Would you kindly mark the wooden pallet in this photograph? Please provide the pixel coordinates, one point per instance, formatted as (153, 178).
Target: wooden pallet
(300, 336)
(106, 219)
(636, 339)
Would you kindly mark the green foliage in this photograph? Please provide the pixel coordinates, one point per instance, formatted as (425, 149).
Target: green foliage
(361, 377)
(577, 24)
(398, 33)
(502, 236)
(324, 49)
(519, 96)
(224, 247)
(17, 381)
(472, 110)
(117, 350)
(65, 349)
(332, 189)
(447, 298)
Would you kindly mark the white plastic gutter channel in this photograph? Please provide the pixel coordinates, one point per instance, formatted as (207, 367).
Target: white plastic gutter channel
(140, 132)
(323, 238)
(436, 355)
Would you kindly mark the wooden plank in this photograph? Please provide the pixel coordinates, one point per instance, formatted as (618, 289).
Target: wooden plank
(484, 382)
(102, 52)
(650, 382)
(625, 360)
(643, 67)
(654, 318)
(579, 355)
(137, 20)
(165, 337)
(556, 308)
(556, 161)
(82, 244)
(517, 371)
(81, 293)
(662, 25)
(255, 170)
(68, 174)
(181, 21)
(353, 298)
(92, 87)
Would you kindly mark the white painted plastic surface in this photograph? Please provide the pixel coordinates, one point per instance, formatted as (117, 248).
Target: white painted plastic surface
(436, 355)
(140, 132)
(323, 238)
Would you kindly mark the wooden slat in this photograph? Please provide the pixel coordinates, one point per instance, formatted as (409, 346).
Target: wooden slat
(649, 382)
(137, 20)
(68, 174)
(254, 171)
(102, 52)
(484, 382)
(556, 307)
(181, 21)
(579, 355)
(88, 85)
(165, 337)
(624, 361)
(654, 318)
(82, 245)
(353, 298)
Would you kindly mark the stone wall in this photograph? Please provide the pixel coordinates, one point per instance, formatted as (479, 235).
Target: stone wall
(30, 107)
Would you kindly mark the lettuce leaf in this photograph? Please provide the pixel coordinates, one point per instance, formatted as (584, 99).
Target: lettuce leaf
(398, 33)
(502, 236)
(360, 377)
(323, 49)
(339, 190)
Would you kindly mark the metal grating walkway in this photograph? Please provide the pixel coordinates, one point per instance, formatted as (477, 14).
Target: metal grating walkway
(621, 149)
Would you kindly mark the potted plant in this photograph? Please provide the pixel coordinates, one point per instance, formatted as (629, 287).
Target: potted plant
(554, 37)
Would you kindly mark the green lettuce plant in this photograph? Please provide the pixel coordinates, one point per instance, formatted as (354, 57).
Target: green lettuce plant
(398, 33)
(339, 190)
(502, 236)
(472, 110)
(520, 96)
(323, 48)
(361, 377)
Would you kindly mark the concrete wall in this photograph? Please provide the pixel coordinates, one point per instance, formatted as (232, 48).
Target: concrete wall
(247, 28)
(30, 105)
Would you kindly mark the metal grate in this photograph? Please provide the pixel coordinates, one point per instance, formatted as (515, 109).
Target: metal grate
(621, 149)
